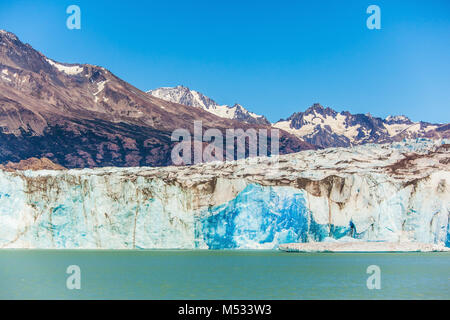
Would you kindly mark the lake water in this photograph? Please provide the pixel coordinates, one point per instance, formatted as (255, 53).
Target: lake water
(41, 274)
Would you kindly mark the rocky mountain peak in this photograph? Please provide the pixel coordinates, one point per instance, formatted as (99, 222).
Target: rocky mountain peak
(8, 35)
(397, 119)
(183, 95)
(16, 54)
(316, 107)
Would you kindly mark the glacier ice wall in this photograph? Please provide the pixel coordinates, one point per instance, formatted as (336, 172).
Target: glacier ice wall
(220, 207)
(264, 217)
(259, 217)
(65, 211)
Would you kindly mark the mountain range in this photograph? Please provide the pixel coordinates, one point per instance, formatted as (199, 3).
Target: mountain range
(325, 127)
(82, 115)
(320, 126)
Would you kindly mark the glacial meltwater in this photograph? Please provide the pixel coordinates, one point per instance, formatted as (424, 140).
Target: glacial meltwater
(180, 274)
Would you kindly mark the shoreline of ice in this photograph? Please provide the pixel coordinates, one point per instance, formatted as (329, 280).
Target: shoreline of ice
(362, 246)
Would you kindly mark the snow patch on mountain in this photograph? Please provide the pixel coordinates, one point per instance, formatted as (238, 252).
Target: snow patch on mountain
(5, 75)
(69, 70)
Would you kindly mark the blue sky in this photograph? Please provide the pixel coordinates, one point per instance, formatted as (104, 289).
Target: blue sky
(273, 57)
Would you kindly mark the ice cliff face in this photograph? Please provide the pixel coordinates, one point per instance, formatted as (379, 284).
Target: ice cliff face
(396, 192)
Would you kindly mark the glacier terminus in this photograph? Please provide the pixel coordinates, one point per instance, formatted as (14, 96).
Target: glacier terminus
(396, 193)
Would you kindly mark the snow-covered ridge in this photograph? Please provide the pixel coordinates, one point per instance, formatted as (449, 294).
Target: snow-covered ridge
(192, 98)
(70, 70)
(314, 122)
(393, 192)
(399, 118)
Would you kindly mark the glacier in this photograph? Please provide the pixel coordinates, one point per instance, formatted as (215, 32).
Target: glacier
(395, 192)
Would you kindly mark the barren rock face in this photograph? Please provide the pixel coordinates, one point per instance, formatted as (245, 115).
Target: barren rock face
(395, 192)
(32, 164)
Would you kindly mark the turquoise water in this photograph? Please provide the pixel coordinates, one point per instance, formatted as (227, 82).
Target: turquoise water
(41, 274)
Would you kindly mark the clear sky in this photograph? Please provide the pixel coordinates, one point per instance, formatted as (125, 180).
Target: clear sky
(273, 57)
